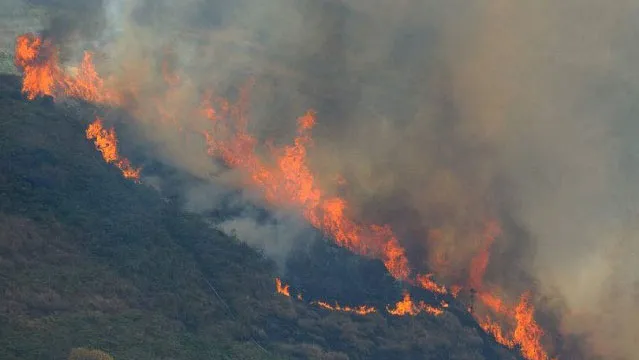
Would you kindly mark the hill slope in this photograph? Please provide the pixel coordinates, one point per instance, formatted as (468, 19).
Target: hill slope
(89, 259)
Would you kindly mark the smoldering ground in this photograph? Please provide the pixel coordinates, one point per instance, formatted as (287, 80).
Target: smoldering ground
(440, 116)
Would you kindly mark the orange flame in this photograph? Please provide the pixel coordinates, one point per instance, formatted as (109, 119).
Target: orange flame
(106, 142)
(42, 75)
(38, 61)
(426, 282)
(455, 290)
(290, 182)
(493, 328)
(406, 306)
(87, 84)
(360, 310)
(282, 288)
(479, 263)
(527, 333)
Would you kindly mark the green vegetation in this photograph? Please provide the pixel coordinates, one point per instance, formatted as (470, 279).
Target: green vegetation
(91, 260)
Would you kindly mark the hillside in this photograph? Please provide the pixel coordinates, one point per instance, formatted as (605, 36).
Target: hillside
(89, 259)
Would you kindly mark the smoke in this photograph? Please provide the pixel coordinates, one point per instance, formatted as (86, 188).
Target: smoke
(275, 233)
(440, 116)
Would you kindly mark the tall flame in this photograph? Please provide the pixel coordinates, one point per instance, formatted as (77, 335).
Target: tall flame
(42, 75)
(106, 142)
(38, 61)
(527, 333)
(426, 282)
(290, 182)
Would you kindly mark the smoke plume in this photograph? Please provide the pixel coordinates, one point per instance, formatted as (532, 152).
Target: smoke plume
(434, 117)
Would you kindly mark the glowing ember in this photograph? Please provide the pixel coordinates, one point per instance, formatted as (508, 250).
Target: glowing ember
(106, 142)
(405, 307)
(360, 310)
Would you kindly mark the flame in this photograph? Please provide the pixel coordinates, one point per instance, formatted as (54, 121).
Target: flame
(426, 282)
(360, 310)
(406, 306)
(289, 182)
(493, 328)
(527, 333)
(479, 263)
(88, 85)
(492, 302)
(106, 142)
(455, 290)
(282, 288)
(38, 60)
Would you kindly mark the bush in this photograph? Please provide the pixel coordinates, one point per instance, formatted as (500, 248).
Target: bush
(88, 354)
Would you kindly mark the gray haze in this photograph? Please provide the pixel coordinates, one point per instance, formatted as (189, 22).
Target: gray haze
(441, 115)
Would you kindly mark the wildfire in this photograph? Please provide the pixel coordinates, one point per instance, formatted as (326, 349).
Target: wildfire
(106, 142)
(282, 288)
(284, 180)
(407, 306)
